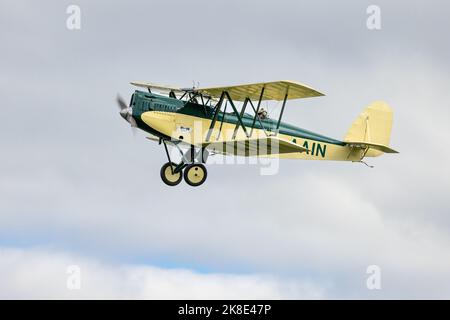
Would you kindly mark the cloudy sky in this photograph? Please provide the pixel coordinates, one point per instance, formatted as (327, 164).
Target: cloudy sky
(78, 189)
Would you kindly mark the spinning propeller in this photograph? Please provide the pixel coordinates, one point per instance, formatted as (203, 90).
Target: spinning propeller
(127, 113)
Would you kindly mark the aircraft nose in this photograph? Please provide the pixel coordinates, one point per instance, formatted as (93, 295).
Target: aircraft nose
(126, 112)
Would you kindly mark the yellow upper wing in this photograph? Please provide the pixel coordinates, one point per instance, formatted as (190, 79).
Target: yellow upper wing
(158, 87)
(275, 90)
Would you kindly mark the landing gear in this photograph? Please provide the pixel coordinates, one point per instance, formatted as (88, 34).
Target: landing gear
(169, 176)
(195, 174)
(191, 162)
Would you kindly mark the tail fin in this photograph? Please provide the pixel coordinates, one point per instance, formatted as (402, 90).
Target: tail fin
(372, 128)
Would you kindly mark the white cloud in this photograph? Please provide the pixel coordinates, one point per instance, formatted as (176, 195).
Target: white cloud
(42, 274)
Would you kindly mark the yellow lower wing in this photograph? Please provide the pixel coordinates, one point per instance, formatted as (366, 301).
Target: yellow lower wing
(254, 147)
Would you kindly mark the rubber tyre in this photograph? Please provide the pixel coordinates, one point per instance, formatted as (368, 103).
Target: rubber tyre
(195, 174)
(167, 176)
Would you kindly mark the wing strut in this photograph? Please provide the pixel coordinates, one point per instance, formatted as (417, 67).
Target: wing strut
(216, 113)
(237, 114)
(217, 108)
(259, 120)
(257, 110)
(242, 114)
(223, 118)
(282, 109)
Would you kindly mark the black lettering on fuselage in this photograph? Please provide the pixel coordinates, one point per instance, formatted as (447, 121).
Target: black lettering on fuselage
(316, 149)
(321, 150)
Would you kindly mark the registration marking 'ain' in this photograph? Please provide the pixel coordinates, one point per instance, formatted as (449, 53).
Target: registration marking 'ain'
(316, 149)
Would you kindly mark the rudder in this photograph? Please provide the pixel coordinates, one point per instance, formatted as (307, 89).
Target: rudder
(373, 125)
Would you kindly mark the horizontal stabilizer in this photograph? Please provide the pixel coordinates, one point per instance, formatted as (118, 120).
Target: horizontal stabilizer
(376, 146)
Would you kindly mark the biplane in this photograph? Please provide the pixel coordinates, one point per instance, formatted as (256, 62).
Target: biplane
(231, 120)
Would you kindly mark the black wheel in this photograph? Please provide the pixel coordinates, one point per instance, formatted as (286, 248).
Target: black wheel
(169, 178)
(195, 174)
